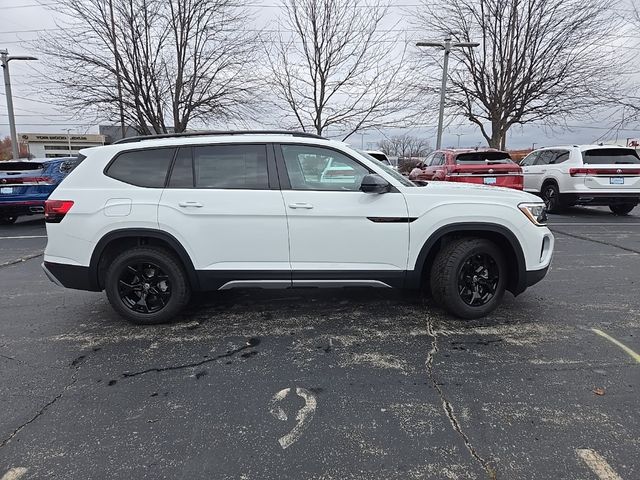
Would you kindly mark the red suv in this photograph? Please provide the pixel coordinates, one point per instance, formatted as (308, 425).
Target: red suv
(486, 166)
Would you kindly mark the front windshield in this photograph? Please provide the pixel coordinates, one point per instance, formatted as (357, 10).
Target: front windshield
(387, 169)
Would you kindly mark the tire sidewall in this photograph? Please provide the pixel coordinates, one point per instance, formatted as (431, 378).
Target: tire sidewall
(452, 297)
(177, 278)
(552, 205)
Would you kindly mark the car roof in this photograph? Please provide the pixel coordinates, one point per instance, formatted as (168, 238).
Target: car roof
(204, 139)
(584, 147)
(457, 151)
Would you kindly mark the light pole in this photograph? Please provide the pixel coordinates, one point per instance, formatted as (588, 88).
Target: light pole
(447, 45)
(5, 58)
(459, 135)
(68, 130)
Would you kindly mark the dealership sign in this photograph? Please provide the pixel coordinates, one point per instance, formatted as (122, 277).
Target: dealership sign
(44, 137)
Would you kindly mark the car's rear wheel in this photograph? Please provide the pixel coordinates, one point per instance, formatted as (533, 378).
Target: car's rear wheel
(468, 277)
(147, 285)
(622, 208)
(8, 220)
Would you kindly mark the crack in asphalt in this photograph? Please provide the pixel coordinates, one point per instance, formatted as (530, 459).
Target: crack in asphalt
(448, 408)
(601, 242)
(76, 363)
(21, 259)
(252, 342)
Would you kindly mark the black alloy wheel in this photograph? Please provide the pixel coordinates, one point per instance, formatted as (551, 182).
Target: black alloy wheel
(551, 197)
(144, 287)
(147, 285)
(478, 279)
(622, 208)
(469, 277)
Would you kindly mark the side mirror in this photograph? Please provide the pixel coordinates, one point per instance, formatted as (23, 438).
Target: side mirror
(374, 183)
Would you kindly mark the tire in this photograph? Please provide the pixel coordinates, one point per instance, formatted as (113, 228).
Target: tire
(147, 285)
(450, 286)
(551, 196)
(622, 208)
(8, 220)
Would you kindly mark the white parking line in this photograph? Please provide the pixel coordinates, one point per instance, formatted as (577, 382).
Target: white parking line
(14, 473)
(597, 464)
(21, 238)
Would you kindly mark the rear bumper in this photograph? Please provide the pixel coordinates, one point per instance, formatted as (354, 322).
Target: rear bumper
(30, 207)
(588, 198)
(70, 276)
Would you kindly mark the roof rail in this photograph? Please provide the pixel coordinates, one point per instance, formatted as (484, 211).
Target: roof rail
(217, 132)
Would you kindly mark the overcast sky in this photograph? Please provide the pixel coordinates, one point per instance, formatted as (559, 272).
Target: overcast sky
(23, 20)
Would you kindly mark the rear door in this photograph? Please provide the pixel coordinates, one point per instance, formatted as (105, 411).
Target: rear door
(224, 205)
(336, 231)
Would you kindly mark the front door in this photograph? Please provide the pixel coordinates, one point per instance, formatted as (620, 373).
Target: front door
(224, 205)
(337, 232)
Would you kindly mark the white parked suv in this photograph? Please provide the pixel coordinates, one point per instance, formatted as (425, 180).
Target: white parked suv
(153, 219)
(584, 175)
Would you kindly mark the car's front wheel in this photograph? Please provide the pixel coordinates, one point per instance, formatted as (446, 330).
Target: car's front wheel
(8, 220)
(551, 196)
(147, 285)
(468, 277)
(622, 208)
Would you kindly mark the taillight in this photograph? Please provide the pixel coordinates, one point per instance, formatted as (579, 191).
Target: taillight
(55, 210)
(582, 172)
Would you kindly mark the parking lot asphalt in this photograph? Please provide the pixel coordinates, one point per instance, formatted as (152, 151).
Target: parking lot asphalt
(332, 384)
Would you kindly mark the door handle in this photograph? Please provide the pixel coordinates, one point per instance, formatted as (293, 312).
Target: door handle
(190, 204)
(306, 206)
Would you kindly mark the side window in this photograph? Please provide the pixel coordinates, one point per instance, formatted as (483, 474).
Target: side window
(144, 168)
(561, 156)
(182, 172)
(530, 159)
(316, 168)
(545, 157)
(427, 161)
(231, 166)
(439, 159)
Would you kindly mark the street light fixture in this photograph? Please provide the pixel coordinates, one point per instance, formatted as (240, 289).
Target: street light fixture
(5, 59)
(447, 45)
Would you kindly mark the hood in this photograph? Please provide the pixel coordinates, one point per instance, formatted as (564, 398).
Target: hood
(471, 190)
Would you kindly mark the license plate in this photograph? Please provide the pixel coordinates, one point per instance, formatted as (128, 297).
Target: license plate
(616, 180)
(6, 190)
(489, 180)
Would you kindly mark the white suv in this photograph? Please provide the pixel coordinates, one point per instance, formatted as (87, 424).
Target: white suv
(584, 175)
(153, 219)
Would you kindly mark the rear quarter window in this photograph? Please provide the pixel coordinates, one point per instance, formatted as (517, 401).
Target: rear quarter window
(143, 168)
(608, 156)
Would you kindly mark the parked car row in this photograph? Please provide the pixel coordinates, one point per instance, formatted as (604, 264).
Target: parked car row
(26, 184)
(563, 176)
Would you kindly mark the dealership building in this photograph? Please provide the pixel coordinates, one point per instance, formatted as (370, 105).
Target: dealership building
(47, 145)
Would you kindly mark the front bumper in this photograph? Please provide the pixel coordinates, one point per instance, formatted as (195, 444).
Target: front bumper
(70, 276)
(534, 276)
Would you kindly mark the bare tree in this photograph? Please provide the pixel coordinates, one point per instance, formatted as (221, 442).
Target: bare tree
(538, 60)
(178, 61)
(405, 146)
(333, 66)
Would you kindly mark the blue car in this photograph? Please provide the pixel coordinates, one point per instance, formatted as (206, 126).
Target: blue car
(26, 184)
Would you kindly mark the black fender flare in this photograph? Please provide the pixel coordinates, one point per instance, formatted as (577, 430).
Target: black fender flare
(518, 284)
(140, 233)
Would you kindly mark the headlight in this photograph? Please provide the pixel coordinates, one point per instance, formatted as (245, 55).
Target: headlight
(536, 212)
